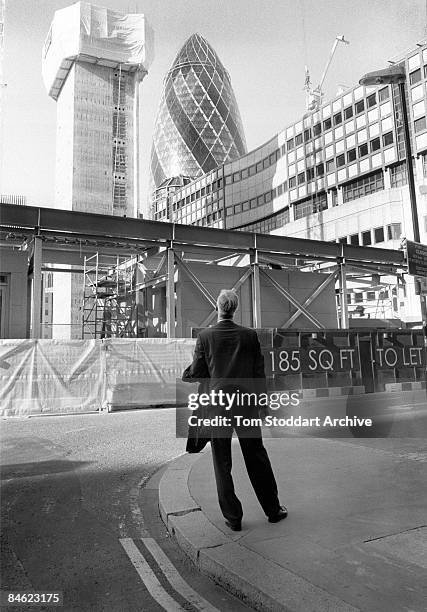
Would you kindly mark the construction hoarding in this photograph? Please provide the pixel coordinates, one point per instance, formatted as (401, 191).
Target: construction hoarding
(60, 377)
(40, 377)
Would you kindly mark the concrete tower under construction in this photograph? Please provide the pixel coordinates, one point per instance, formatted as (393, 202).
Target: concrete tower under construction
(93, 62)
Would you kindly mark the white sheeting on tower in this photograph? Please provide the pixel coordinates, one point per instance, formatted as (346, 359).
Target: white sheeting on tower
(96, 35)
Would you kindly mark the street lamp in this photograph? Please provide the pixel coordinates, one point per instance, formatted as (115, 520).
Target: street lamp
(396, 75)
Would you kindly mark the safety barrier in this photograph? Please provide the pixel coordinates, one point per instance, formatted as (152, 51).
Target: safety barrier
(60, 377)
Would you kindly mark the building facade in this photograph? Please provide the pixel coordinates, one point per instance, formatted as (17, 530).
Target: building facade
(198, 125)
(93, 62)
(337, 174)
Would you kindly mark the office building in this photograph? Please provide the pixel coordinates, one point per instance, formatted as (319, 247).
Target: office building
(198, 125)
(336, 174)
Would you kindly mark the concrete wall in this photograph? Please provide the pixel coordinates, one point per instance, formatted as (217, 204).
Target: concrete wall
(14, 265)
(84, 168)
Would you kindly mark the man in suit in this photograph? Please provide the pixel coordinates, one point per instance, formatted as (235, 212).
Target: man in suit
(229, 351)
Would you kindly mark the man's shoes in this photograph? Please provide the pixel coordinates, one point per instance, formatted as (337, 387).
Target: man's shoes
(234, 526)
(281, 514)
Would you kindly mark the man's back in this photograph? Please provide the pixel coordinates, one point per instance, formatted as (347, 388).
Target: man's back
(231, 351)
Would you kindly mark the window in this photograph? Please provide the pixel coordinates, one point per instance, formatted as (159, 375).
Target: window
(383, 94)
(351, 155)
(317, 129)
(327, 124)
(415, 77)
(267, 196)
(259, 167)
(337, 118)
(354, 239)
(245, 173)
(334, 197)
(228, 180)
(363, 150)
(366, 238)
(280, 190)
(394, 231)
(420, 124)
(310, 205)
(363, 186)
(292, 182)
(307, 134)
(237, 209)
(375, 144)
(360, 107)
(310, 174)
(320, 170)
(378, 234)
(265, 163)
(252, 170)
(340, 160)
(342, 240)
(398, 176)
(298, 139)
(236, 177)
(387, 139)
(348, 112)
(330, 165)
(371, 100)
(301, 178)
(290, 144)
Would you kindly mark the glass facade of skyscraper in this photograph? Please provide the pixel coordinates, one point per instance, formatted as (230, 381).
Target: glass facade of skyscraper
(198, 126)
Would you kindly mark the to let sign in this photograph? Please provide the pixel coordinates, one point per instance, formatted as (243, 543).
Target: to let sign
(417, 258)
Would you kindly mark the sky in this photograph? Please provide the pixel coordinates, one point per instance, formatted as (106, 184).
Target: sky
(264, 44)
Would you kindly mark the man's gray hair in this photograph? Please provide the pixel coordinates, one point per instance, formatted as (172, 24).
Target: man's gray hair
(227, 303)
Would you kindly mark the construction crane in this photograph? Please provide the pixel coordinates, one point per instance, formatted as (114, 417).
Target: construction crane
(314, 97)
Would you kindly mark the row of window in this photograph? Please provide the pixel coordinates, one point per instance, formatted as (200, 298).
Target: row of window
(338, 118)
(211, 188)
(393, 231)
(359, 297)
(309, 206)
(362, 150)
(267, 225)
(363, 186)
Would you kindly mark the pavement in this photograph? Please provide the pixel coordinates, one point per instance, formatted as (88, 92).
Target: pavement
(355, 537)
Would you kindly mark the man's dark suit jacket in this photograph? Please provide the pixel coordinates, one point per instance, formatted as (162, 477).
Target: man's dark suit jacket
(229, 351)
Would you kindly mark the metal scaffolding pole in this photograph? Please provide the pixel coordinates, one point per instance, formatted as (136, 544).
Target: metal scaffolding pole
(36, 288)
(170, 293)
(343, 294)
(256, 291)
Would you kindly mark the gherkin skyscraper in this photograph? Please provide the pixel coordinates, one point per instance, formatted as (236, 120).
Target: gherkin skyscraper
(198, 124)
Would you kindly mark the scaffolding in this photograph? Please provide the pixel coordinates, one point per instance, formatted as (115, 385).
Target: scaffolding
(110, 308)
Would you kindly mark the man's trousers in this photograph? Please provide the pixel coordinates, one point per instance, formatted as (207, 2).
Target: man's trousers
(258, 467)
